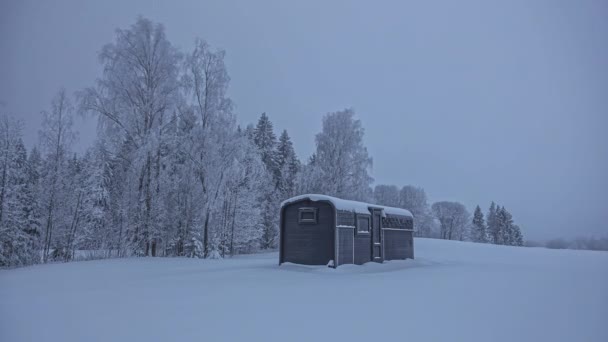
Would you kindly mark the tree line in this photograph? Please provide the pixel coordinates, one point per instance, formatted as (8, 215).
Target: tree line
(451, 220)
(172, 173)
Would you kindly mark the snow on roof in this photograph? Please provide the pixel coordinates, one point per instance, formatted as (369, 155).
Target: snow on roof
(348, 205)
(396, 211)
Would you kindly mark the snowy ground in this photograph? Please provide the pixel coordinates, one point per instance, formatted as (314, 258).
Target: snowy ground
(452, 291)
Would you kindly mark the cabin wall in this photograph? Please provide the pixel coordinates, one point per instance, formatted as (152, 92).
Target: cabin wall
(363, 250)
(398, 238)
(353, 247)
(346, 218)
(307, 243)
(398, 244)
(345, 246)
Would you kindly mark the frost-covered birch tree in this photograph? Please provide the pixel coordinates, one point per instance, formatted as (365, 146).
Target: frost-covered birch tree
(414, 199)
(95, 230)
(56, 139)
(387, 195)
(210, 148)
(134, 100)
(242, 226)
(341, 163)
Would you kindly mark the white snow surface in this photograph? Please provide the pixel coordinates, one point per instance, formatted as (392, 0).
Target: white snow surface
(348, 205)
(453, 291)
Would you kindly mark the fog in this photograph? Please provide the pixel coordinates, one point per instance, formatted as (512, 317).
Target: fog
(472, 100)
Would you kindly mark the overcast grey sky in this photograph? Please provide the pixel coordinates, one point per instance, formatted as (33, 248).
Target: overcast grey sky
(472, 100)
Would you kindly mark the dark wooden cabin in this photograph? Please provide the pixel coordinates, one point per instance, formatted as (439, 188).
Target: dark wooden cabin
(324, 230)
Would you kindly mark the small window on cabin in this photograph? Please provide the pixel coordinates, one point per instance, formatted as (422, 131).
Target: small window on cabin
(363, 225)
(307, 215)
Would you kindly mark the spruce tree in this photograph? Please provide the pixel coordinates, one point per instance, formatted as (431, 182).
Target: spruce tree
(498, 226)
(492, 228)
(17, 240)
(479, 233)
(511, 233)
(266, 142)
(518, 239)
(506, 230)
(288, 166)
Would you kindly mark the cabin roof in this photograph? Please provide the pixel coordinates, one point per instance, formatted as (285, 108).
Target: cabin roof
(348, 205)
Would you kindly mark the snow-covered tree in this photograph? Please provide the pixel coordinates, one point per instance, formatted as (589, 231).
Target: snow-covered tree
(56, 138)
(211, 147)
(517, 238)
(288, 165)
(10, 135)
(310, 179)
(243, 227)
(18, 232)
(501, 229)
(504, 221)
(71, 209)
(493, 229)
(95, 201)
(454, 219)
(266, 141)
(134, 101)
(508, 232)
(478, 228)
(414, 199)
(341, 163)
(32, 203)
(386, 195)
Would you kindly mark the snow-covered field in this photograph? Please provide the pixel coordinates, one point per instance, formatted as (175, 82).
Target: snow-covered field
(453, 291)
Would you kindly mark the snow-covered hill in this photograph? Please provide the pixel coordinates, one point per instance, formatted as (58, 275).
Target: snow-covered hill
(453, 291)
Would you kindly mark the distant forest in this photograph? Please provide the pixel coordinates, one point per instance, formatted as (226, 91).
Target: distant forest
(172, 173)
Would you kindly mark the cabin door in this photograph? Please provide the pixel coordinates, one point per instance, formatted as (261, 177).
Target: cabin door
(377, 252)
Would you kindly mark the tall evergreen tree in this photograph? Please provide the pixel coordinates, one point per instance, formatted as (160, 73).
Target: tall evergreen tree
(288, 165)
(266, 141)
(478, 233)
(18, 241)
(504, 226)
(518, 238)
(492, 227)
(509, 233)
